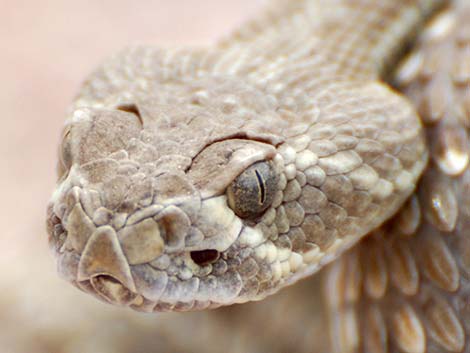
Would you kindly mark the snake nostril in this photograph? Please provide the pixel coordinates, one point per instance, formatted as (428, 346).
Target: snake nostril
(112, 289)
(205, 257)
(105, 279)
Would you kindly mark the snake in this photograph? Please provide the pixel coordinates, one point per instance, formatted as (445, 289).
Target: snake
(321, 134)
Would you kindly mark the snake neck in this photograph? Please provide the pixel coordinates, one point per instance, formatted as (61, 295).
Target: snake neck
(357, 39)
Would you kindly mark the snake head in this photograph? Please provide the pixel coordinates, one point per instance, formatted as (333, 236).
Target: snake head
(204, 191)
(151, 213)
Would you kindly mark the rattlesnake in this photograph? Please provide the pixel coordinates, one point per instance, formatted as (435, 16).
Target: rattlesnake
(195, 178)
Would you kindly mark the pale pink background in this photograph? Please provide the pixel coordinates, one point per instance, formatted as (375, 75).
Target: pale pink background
(46, 49)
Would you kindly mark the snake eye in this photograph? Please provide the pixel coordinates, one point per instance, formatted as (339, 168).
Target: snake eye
(252, 192)
(65, 153)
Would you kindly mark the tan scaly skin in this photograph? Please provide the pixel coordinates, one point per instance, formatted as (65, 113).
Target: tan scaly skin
(407, 287)
(195, 178)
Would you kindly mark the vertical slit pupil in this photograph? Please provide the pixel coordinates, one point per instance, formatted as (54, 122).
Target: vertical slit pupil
(261, 187)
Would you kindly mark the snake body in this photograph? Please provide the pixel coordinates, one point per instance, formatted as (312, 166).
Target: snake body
(195, 178)
(406, 287)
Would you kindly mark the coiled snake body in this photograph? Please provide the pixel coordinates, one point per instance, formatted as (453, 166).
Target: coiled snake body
(195, 178)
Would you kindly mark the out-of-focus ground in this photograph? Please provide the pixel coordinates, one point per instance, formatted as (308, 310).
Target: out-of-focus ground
(46, 49)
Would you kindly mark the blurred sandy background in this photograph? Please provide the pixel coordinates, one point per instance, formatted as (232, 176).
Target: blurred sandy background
(46, 49)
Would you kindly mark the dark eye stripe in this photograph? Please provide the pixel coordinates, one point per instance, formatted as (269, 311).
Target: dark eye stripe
(131, 108)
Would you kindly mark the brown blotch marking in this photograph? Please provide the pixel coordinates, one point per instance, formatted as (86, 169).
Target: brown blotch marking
(132, 109)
